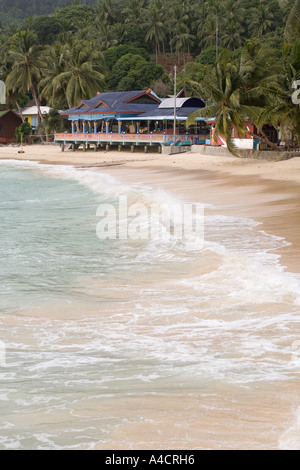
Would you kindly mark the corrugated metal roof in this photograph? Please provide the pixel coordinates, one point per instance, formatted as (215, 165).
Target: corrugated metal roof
(33, 111)
(168, 113)
(182, 103)
(170, 103)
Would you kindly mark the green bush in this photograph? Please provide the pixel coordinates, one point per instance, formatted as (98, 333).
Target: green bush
(23, 131)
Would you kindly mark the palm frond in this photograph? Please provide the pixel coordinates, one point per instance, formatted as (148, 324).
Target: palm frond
(293, 22)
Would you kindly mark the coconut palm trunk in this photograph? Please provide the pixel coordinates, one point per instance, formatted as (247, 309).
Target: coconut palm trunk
(25, 75)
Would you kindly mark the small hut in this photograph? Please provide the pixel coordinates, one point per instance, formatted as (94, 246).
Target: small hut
(9, 121)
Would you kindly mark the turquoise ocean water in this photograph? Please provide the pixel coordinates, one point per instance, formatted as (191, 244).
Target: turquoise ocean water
(88, 326)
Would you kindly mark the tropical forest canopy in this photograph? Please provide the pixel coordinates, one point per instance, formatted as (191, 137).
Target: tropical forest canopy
(243, 55)
(18, 10)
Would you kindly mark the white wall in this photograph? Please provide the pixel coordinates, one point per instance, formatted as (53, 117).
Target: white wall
(244, 143)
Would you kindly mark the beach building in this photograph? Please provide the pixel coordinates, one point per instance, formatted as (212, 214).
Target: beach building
(30, 114)
(133, 118)
(141, 118)
(9, 121)
(247, 141)
(160, 119)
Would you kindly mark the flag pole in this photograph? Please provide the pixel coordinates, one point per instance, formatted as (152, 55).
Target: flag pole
(175, 86)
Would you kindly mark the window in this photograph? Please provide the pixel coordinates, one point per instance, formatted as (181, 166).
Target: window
(34, 121)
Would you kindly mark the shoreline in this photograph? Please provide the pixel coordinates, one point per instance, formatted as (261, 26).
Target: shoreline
(266, 192)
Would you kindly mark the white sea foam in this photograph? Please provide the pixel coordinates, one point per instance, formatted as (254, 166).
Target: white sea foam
(290, 439)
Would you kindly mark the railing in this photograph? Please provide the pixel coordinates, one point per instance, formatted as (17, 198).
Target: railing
(123, 138)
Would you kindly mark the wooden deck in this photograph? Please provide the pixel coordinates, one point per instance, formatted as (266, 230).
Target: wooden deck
(101, 138)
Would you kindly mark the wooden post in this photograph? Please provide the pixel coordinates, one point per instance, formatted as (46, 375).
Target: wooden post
(175, 104)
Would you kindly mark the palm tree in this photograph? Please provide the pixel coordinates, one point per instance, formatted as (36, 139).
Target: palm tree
(155, 28)
(292, 27)
(201, 19)
(232, 35)
(133, 11)
(104, 10)
(182, 40)
(224, 91)
(118, 31)
(208, 33)
(27, 63)
(56, 59)
(261, 19)
(176, 18)
(282, 111)
(53, 122)
(82, 76)
(236, 93)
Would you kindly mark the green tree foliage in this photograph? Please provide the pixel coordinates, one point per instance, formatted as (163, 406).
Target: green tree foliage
(236, 92)
(209, 55)
(191, 77)
(78, 75)
(21, 9)
(114, 53)
(61, 51)
(23, 131)
(27, 63)
(133, 72)
(54, 123)
(46, 28)
(76, 15)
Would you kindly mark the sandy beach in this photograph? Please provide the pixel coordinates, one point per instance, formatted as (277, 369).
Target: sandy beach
(268, 192)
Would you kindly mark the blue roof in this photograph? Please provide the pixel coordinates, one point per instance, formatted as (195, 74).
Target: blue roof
(116, 103)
